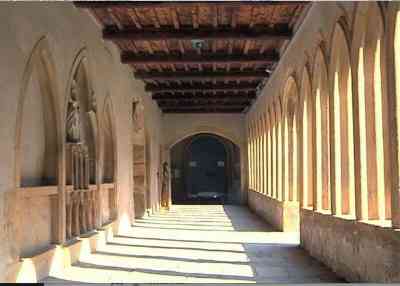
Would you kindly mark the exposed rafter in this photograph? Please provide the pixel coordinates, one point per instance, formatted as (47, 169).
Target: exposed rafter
(203, 110)
(173, 4)
(207, 75)
(205, 58)
(199, 57)
(200, 87)
(227, 97)
(202, 105)
(222, 33)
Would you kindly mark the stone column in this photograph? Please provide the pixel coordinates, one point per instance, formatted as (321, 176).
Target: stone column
(285, 157)
(335, 149)
(251, 179)
(262, 154)
(295, 161)
(279, 157)
(269, 158)
(274, 150)
(265, 151)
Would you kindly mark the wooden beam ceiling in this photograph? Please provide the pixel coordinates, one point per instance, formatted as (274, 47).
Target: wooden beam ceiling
(175, 4)
(201, 76)
(205, 34)
(203, 110)
(198, 57)
(200, 87)
(192, 97)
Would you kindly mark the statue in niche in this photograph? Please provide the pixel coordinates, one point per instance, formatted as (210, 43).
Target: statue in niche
(138, 120)
(92, 102)
(73, 117)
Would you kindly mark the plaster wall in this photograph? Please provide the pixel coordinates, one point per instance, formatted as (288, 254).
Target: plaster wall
(68, 32)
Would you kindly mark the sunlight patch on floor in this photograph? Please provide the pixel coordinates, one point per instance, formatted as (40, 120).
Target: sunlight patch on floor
(199, 244)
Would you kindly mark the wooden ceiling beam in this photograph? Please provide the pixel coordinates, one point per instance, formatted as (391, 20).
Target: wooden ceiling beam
(200, 87)
(203, 110)
(207, 75)
(192, 59)
(173, 4)
(205, 34)
(211, 103)
(228, 97)
(202, 106)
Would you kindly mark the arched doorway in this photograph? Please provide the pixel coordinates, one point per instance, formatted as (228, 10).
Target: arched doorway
(205, 168)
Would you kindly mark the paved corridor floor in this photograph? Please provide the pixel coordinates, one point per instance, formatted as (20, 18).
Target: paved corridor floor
(200, 243)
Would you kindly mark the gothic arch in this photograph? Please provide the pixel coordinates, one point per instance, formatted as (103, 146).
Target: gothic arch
(371, 115)
(141, 166)
(307, 130)
(321, 185)
(341, 124)
(290, 135)
(80, 84)
(109, 155)
(40, 65)
(393, 73)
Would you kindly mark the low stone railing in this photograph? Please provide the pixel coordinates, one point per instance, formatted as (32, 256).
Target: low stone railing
(80, 212)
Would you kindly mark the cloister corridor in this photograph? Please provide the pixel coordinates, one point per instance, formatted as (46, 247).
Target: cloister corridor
(200, 141)
(200, 244)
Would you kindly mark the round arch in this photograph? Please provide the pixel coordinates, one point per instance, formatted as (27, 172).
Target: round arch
(183, 173)
(203, 129)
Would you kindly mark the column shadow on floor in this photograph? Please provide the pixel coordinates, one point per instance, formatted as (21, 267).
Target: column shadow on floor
(200, 244)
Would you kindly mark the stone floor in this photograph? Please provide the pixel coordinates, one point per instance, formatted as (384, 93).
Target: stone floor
(206, 244)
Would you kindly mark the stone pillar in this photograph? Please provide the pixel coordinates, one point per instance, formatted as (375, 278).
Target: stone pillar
(266, 166)
(269, 158)
(285, 158)
(294, 162)
(275, 163)
(262, 166)
(317, 162)
(251, 167)
(335, 149)
(279, 157)
(257, 156)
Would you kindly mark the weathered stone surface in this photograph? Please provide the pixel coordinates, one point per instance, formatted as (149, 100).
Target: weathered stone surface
(199, 244)
(283, 216)
(353, 249)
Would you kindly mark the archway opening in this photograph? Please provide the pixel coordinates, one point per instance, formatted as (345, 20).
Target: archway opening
(205, 168)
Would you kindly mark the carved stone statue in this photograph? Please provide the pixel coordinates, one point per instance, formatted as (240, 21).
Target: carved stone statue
(92, 102)
(73, 118)
(165, 183)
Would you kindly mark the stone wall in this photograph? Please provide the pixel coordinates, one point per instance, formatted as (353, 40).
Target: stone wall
(355, 250)
(283, 216)
(55, 36)
(338, 76)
